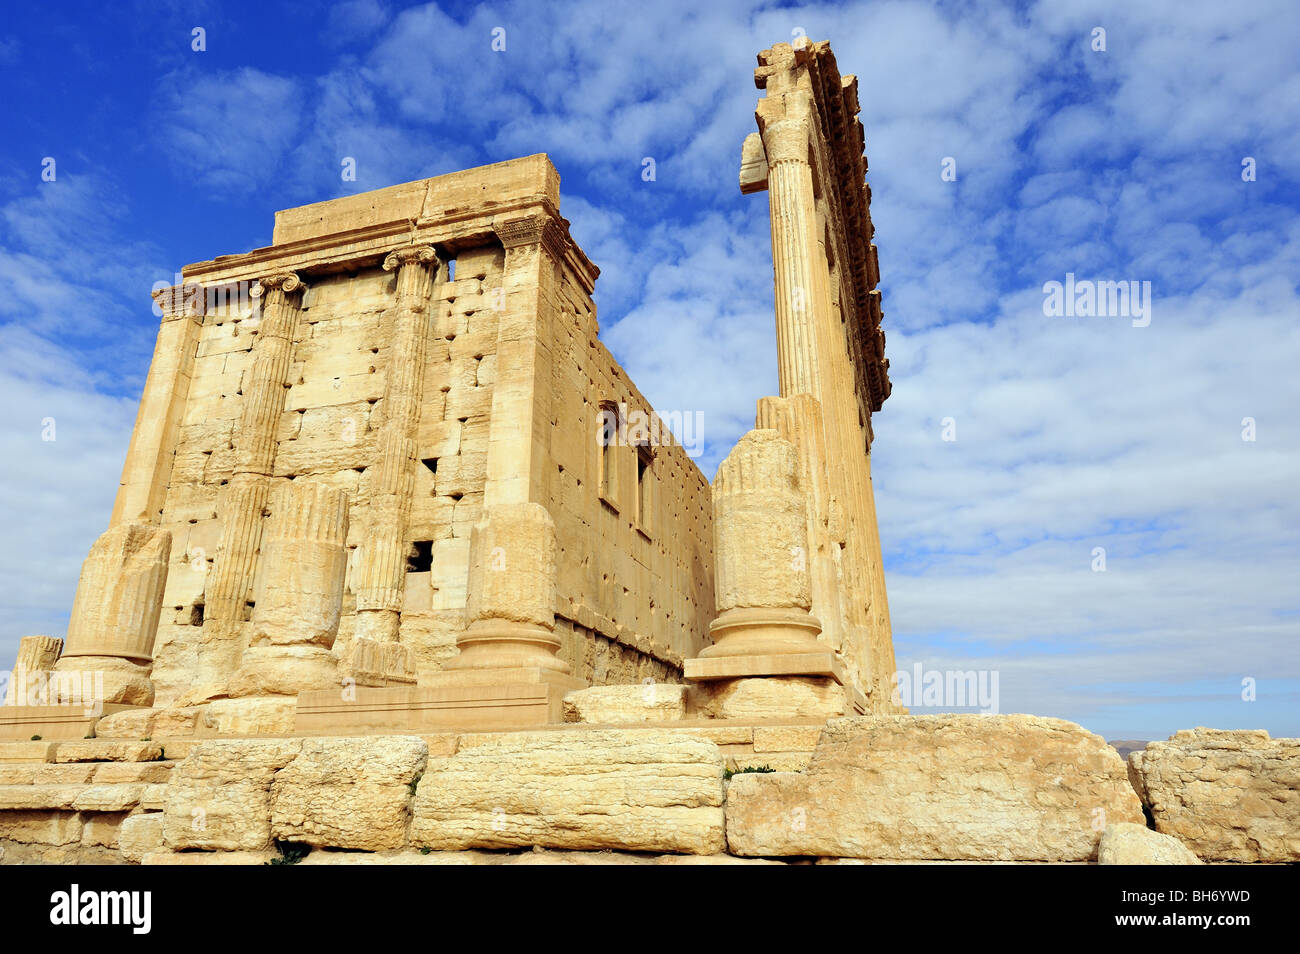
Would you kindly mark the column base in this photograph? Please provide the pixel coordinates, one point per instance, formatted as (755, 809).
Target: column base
(816, 664)
(272, 670)
(102, 680)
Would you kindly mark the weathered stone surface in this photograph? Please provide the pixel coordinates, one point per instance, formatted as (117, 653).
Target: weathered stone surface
(611, 705)
(1125, 843)
(954, 787)
(107, 750)
(622, 789)
(771, 697)
(252, 716)
(1227, 795)
(41, 827)
(102, 830)
(108, 798)
(140, 834)
(348, 793)
(219, 798)
(150, 723)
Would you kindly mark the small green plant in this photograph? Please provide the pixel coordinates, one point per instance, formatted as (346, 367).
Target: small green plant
(425, 851)
(147, 738)
(291, 852)
(36, 738)
(755, 769)
(415, 782)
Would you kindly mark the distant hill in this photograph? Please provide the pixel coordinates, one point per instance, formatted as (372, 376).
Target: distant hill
(1125, 746)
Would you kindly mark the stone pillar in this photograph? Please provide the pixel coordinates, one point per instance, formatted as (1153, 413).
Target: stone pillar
(380, 570)
(300, 596)
(115, 616)
(766, 660)
(516, 464)
(798, 419)
(243, 504)
(760, 531)
(802, 306)
(148, 466)
(31, 674)
(511, 602)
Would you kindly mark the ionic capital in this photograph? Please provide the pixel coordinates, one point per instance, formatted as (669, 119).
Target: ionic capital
(286, 282)
(410, 255)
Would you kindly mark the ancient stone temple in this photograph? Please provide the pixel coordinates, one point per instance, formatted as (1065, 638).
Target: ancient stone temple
(402, 559)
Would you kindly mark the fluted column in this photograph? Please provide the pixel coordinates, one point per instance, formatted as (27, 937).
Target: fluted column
(300, 598)
(244, 501)
(801, 304)
(760, 529)
(147, 470)
(380, 571)
(511, 600)
(37, 656)
(114, 618)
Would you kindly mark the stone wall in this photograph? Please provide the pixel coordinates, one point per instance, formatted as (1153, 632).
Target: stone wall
(636, 567)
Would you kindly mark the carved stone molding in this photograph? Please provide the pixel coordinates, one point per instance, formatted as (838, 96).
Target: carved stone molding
(540, 229)
(180, 301)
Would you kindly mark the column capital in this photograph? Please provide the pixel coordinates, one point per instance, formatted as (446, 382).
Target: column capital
(786, 140)
(411, 255)
(540, 228)
(180, 301)
(286, 282)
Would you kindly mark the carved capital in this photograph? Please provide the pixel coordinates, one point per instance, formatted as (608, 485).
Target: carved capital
(286, 282)
(180, 301)
(410, 255)
(539, 229)
(786, 141)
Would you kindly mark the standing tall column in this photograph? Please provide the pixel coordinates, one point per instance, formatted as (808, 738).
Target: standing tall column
(381, 561)
(230, 582)
(148, 466)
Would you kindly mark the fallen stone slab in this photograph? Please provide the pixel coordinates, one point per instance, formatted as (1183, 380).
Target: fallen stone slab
(946, 787)
(1227, 795)
(646, 790)
(219, 798)
(615, 705)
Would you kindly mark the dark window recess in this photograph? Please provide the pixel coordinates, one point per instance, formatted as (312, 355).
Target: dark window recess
(196, 614)
(431, 463)
(419, 559)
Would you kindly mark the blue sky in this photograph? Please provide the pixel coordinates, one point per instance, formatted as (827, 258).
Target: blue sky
(1071, 434)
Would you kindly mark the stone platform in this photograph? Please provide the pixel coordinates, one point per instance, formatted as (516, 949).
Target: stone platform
(682, 791)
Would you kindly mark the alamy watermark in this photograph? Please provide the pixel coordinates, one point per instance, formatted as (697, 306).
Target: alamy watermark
(621, 426)
(1085, 298)
(947, 689)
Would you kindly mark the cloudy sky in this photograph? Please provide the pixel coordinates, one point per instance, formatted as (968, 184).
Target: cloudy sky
(1168, 157)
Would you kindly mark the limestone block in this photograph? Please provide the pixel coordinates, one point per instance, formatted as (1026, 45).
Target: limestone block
(220, 797)
(41, 827)
(348, 793)
(1227, 795)
(140, 834)
(621, 789)
(24, 797)
(103, 829)
(108, 750)
(954, 787)
(1128, 844)
(108, 798)
(611, 705)
(115, 773)
(150, 723)
(770, 697)
(252, 716)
